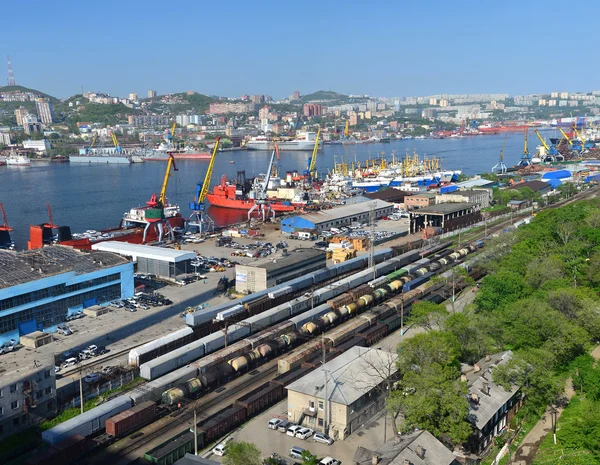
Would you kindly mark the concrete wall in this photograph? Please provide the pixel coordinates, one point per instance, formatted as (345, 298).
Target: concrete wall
(250, 278)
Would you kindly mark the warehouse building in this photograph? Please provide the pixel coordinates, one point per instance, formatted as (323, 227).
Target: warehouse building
(344, 394)
(447, 216)
(421, 200)
(481, 197)
(336, 217)
(159, 261)
(39, 288)
(387, 195)
(26, 395)
(271, 271)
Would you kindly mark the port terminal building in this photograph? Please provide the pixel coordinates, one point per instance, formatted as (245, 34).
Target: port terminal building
(337, 217)
(159, 261)
(272, 271)
(40, 288)
(447, 216)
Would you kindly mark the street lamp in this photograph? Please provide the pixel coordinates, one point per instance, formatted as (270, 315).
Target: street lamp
(553, 412)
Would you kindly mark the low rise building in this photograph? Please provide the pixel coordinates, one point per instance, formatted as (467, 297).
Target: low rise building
(159, 261)
(27, 395)
(344, 394)
(337, 217)
(39, 288)
(420, 200)
(417, 448)
(41, 146)
(481, 197)
(491, 406)
(272, 271)
(540, 187)
(447, 216)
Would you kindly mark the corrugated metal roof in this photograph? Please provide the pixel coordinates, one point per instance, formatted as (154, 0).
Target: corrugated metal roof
(145, 251)
(345, 211)
(349, 376)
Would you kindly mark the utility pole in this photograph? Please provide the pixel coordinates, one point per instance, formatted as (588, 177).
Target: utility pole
(81, 386)
(195, 434)
(372, 240)
(325, 402)
(401, 319)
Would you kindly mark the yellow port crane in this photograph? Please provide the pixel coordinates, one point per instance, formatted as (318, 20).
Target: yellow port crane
(199, 217)
(310, 173)
(155, 212)
(347, 129)
(565, 136)
(116, 142)
(544, 144)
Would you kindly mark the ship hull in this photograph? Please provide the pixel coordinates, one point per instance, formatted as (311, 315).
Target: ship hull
(245, 205)
(290, 146)
(180, 156)
(500, 129)
(110, 159)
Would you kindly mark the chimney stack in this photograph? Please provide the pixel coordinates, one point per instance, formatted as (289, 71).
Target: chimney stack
(374, 459)
(407, 462)
(421, 452)
(476, 368)
(486, 388)
(463, 378)
(475, 398)
(487, 358)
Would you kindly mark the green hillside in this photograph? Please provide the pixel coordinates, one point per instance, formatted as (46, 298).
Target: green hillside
(323, 95)
(196, 103)
(26, 89)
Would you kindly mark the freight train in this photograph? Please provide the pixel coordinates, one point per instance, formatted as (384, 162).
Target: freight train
(210, 371)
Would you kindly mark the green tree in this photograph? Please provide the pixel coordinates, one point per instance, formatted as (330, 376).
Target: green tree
(499, 289)
(309, 459)
(470, 335)
(242, 453)
(427, 314)
(427, 349)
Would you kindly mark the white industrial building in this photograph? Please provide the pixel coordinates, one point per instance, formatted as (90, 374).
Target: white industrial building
(159, 261)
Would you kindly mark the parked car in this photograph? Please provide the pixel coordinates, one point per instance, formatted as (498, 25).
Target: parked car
(219, 449)
(293, 429)
(274, 423)
(304, 433)
(329, 461)
(322, 438)
(70, 362)
(92, 378)
(296, 452)
(283, 426)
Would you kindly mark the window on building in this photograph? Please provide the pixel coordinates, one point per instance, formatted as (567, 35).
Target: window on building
(47, 374)
(48, 390)
(320, 405)
(14, 405)
(320, 422)
(311, 421)
(0, 393)
(13, 388)
(39, 394)
(49, 405)
(1, 429)
(311, 404)
(1, 411)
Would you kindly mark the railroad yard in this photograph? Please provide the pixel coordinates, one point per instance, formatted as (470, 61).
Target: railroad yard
(229, 361)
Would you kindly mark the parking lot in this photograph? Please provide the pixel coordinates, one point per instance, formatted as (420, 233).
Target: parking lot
(272, 441)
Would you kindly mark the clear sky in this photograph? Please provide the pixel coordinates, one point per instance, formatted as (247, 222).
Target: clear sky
(232, 47)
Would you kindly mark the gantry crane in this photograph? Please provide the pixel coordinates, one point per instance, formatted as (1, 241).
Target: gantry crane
(116, 143)
(155, 213)
(310, 172)
(525, 157)
(260, 189)
(171, 136)
(5, 240)
(94, 138)
(500, 167)
(199, 217)
(347, 129)
(585, 144)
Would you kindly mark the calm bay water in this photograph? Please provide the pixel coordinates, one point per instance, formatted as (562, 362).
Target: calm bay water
(96, 196)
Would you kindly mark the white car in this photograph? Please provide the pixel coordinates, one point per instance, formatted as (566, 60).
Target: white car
(322, 438)
(92, 378)
(304, 433)
(292, 430)
(274, 423)
(219, 449)
(329, 461)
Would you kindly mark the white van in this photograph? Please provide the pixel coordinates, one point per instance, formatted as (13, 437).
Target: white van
(335, 230)
(70, 362)
(219, 449)
(305, 236)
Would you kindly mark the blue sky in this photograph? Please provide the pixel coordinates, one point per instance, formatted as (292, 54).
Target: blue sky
(383, 48)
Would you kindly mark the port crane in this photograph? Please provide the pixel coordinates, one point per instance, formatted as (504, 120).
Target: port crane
(170, 137)
(347, 129)
(199, 217)
(260, 189)
(584, 143)
(500, 167)
(5, 240)
(310, 172)
(115, 141)
(552, 153)
(155, 213)
(525, 157)
(94, 138)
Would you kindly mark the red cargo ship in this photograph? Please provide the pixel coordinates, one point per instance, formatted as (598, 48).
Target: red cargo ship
(131, 230)
(497, 129)
(228, 195)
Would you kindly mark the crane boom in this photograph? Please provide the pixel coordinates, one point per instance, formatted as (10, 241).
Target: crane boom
(5, 226)
(542, 141)
(268, 177)
(581, 138)
(163, 191)
(347, 129)
(313, 158)
(565, 136)
(206, 184)
(525, 149)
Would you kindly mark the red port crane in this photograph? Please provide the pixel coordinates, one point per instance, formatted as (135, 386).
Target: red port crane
(5, 226)
(50, 223)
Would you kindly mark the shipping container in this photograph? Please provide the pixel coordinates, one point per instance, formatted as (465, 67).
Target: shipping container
(222, 422)
(131, 419)
(261, 398)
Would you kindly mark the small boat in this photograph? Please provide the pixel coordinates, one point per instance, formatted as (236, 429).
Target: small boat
(17, 160)
(232, 162)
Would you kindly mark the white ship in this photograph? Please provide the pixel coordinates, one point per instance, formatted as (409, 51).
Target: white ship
(17, 160)
(303, 142)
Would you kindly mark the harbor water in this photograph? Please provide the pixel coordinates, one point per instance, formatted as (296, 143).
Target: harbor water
(95, 196)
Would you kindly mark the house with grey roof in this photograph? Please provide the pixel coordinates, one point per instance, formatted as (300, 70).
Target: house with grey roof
(416, 448)
(491, 406)
(344, 393)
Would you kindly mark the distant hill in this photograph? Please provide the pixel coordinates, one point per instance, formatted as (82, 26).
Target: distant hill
(322, 96)
(26, 89)
(195, 102)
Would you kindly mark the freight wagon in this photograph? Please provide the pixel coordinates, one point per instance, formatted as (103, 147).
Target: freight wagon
(160, 346)
(222, 422)
(261, 398)
(175, 448)
(131, 419)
